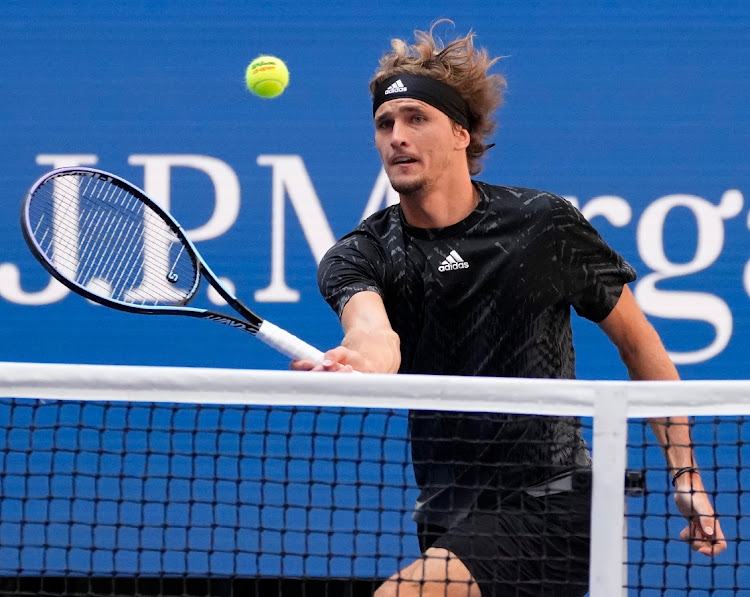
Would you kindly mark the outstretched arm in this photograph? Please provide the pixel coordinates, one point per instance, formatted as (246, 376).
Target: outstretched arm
(370, 345)
(645, 357)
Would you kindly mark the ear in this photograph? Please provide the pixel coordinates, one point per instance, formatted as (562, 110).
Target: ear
(462, 136)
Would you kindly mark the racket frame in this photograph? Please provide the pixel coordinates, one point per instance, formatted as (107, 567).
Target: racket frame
(251, 323)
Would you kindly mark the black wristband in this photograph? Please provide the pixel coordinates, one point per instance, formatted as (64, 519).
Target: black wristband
(682, 471)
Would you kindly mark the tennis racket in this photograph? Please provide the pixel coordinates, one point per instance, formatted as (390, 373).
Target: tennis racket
(107, 241)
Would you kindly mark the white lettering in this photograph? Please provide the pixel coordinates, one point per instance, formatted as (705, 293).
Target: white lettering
(157, 183)
(10, 275)
(382, 195)
(157, 176)
(289, 176)
(290, 179)
(446, 267)
(573, 200)
(696, 306)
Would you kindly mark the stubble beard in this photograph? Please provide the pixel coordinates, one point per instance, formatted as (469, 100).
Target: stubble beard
(409, 188)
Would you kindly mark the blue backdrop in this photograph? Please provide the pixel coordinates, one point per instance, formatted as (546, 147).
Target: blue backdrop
(637, 111)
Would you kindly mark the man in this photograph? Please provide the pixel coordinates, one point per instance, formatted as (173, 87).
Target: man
(466, 278)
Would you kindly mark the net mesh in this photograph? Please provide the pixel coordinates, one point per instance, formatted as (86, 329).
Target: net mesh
(99, 488)
(270, 486)
(658, 562)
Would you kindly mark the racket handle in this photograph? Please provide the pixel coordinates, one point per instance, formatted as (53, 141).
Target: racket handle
(287, 343)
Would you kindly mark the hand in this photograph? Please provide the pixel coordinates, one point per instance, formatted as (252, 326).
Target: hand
(703, 531)
(340, 360)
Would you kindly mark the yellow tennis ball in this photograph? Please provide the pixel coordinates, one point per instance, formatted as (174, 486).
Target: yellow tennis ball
(267, 76)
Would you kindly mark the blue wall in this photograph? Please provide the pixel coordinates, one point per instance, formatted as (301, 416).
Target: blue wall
(638, 111)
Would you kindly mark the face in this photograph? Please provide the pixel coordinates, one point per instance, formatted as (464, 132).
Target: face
(418, 144)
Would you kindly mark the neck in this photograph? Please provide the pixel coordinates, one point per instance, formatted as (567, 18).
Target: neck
(440, 207)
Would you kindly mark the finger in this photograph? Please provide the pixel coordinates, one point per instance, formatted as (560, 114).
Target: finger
(686, 534)
(331, 365)
(709, 545)
(326, 367)
(719, 546)
(337, 354)
(301, 365)
(348, 368)
(718, 542)
(697, 543)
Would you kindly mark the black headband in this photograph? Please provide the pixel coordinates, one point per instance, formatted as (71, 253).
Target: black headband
(426, 89)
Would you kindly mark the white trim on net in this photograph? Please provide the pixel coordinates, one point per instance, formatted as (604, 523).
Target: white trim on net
(607, 574)
(242, 386)
(478, 394)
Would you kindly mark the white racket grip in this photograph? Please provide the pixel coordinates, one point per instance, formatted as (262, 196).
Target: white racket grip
(287, 343)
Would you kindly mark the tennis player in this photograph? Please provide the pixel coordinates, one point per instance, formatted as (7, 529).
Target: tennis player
(468, 278)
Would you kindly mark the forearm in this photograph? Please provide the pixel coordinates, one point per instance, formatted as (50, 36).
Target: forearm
(380, 348)
(370, 344)
(643, 353)
(645, 357)
(673, 433)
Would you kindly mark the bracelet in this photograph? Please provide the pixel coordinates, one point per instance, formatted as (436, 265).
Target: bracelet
(682, 471)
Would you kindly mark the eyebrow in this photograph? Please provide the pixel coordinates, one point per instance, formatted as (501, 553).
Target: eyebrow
(388, 113)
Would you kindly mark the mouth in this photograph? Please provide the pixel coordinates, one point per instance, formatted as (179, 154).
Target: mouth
(402, 160)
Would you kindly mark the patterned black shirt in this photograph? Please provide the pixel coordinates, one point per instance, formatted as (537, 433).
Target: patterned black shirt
(489, 296)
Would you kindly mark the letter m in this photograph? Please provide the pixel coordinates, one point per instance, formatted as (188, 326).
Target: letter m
(290, 178)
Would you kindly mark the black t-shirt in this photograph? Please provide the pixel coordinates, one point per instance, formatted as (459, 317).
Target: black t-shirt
(490, 296)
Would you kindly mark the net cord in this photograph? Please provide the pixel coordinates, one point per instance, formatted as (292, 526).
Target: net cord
(197, 385)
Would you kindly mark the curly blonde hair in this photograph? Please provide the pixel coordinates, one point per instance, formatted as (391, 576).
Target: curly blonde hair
(460, 65)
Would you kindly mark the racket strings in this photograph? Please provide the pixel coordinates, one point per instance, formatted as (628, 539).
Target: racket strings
(107, 240)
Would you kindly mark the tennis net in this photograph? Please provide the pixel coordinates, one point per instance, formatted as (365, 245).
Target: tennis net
(188, 481)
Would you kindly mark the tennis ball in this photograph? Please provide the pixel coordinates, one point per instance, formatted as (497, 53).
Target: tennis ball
(267, 76)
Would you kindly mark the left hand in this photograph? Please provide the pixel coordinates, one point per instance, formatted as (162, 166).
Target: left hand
(703, 531)
(340, 359)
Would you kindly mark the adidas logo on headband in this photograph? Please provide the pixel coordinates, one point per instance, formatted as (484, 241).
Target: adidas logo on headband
(426, 89)
(397, 87)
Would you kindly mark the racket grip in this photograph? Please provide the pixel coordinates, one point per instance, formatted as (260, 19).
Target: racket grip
(287, 343)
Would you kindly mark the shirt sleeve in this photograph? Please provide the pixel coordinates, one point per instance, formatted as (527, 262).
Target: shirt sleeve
(354, 264)
(593, 274)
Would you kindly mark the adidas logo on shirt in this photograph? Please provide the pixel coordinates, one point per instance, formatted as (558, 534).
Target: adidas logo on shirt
(397, 87)
(453, 261)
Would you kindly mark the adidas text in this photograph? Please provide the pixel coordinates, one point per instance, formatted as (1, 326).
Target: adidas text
(449, 266)
(452, 262)
(397, 87)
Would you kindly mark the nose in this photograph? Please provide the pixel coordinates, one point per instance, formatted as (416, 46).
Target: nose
(398, 134)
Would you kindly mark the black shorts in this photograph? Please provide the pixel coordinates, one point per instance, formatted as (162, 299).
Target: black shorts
(529, 546)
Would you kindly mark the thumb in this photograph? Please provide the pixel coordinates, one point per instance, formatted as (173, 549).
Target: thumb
(706, 525)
